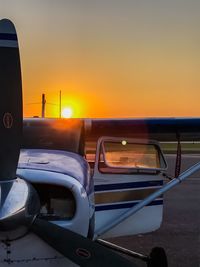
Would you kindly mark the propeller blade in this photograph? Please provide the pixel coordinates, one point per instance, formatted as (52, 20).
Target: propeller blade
(77, 248)
(10, 101)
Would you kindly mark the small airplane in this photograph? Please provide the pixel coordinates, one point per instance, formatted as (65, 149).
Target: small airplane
(67, 183)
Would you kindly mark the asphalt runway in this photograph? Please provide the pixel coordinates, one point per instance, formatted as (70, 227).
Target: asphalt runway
(180, 230)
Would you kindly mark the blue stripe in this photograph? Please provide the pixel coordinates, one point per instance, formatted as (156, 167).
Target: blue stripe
(125, 205)
(8, 36)
(108, 187)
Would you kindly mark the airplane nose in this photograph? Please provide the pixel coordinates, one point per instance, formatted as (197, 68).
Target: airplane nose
(19, 204)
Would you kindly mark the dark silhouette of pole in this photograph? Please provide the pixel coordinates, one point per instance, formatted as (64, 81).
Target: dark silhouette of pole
(43, 105)
(60, 105)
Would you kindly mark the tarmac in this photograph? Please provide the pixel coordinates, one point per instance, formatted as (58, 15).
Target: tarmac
(179, 234)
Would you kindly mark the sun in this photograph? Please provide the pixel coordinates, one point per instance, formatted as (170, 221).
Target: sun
(67, 112)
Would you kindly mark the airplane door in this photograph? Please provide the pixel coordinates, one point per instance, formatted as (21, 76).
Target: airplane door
(125, 172)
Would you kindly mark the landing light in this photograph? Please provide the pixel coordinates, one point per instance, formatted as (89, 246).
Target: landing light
(124, 142)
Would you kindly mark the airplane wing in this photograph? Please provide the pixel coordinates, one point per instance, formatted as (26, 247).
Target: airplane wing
(50, 133)
(160, 129)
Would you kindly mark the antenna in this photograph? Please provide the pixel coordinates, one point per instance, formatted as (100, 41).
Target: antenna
(43, 105)
(60, 104)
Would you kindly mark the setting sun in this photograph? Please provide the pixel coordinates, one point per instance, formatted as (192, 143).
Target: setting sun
(67, 112)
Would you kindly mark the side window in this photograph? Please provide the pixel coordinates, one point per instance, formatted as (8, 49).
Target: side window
(128, 156)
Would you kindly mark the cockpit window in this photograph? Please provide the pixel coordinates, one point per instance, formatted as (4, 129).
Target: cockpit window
(130, 155)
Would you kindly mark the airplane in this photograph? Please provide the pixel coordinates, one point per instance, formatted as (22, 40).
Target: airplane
(68, 183)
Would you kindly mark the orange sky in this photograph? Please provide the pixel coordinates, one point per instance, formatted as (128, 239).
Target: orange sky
(109, 58)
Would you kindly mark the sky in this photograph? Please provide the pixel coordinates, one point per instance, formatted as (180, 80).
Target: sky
(109, 58)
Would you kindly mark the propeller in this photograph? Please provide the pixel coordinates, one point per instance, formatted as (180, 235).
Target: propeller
(10, 101)
(16, 195)
(19, 201)
(77, 248)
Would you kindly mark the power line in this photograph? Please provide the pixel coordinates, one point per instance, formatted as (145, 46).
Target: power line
(38, 103)
(44, 103)
(52, 104)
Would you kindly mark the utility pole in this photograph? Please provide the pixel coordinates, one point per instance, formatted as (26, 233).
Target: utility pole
(43, 105)
(60, 104)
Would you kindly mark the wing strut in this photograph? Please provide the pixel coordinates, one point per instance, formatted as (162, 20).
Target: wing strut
(148, 200)
(178, 157)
